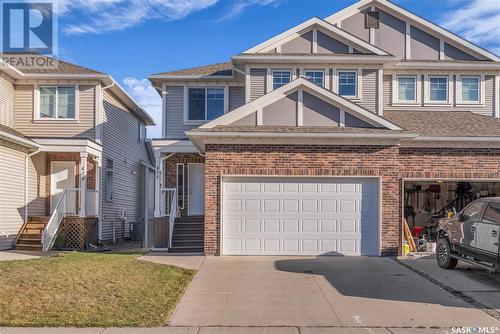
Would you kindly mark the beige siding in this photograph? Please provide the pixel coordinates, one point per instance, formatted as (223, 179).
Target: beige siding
(25, 123)
(369, 90)
(6, 103)
(487, 109)
(257, 83)
(120, 144)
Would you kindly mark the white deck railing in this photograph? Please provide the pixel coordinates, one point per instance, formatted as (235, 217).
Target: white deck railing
(91, 200)
(168, 208)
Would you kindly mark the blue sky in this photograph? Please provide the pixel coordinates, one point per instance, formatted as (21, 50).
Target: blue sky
(132, 39)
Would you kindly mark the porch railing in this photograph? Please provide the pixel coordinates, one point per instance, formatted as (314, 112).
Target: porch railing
(60, 211)
(91, 201)
(168, 208)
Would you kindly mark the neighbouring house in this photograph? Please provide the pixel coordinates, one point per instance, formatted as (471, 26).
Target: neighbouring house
(73, 151)
(315, 141)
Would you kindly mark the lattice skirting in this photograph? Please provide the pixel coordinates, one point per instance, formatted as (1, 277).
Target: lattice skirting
(76, 232)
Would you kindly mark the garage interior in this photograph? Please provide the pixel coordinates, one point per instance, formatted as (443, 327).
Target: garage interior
(427, 201)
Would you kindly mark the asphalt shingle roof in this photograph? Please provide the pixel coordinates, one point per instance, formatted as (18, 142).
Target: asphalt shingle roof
(58, 66)
(213, 69)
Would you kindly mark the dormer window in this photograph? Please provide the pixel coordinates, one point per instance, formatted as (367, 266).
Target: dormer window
(57, 102)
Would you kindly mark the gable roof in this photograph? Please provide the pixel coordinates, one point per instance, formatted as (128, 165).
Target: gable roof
(309, 24)
(419, 21)
(221, 69)
(12, 135)
(310, 87)
(60, 66)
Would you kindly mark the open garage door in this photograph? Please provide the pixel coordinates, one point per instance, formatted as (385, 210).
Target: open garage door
(300, 216)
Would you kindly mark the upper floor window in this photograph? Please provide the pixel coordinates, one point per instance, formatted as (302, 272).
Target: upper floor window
(407, 88)
(205, 103)
(438, 87)
(57, 102)
(348, 83)
(281, 78)
(315, 76)
(470, 89)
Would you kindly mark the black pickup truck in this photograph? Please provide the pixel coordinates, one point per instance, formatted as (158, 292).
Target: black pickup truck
(472, 236)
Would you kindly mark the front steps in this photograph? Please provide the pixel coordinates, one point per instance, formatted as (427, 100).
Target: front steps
(188, 235)
(30, 238)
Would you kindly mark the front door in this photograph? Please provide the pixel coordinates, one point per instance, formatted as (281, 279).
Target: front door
(196, 183)
(62, 177)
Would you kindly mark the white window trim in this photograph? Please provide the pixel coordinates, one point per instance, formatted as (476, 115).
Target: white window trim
(395, 89)
(36, 107)
(481, 94)
(142, 132)
(427, 90)
(359, 82)
(107, 183)
(304, 71)
(183, 183)
(291, 71)
(187, 121)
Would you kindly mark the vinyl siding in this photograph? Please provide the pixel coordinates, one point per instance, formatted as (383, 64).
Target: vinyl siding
(489, 103)
(236, 97)
(257, 83)
(6, 103)
(369, 90)
(174, 113)
(120, 144)
(25, 123)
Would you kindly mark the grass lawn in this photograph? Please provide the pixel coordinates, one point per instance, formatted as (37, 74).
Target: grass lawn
(89, 290)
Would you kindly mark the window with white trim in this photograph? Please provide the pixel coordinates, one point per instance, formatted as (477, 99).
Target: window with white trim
(348, 83)
(438, 89)
(180, 186)
(205, 104)
(407, 88)
(471, 89)
(318, 77)
(109, 180)
(57, 102)
(281, 78)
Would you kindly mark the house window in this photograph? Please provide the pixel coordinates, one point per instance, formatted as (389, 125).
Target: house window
(438, 87)
(281, 78)
(470, 89)
(315, 76)
(348, 83)
(57, 102)
(407, 89)
(205, 103)
(109, 180)
(180, 186)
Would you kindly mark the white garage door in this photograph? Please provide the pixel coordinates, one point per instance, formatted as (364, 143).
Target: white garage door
(300, 216)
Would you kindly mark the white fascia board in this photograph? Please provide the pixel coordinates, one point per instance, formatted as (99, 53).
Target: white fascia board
(262, 134)
(458, 139)
(19, 140)
(442, 65)
(417, 20)
(309, 24)
(174, 146)
(352, 59)
(63, 143)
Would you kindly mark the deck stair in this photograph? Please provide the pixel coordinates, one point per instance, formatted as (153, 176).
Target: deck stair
(188, 235)
(30, 236)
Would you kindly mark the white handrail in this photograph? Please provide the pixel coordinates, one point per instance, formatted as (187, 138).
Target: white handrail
(172, 216)
(168, 208)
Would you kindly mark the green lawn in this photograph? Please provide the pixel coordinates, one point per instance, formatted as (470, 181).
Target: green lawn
(89, 290)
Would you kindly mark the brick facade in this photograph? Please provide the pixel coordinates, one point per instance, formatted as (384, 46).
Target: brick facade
(391, 163)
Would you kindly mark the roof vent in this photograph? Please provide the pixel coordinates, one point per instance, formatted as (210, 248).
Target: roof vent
(372, 20)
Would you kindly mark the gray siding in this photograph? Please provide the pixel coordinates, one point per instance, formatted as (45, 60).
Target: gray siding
(173, 116)
(355, 25)
(257, 83)
(282, 112)
(452, 53)
(488, 109)
(250, 119)
(6, 103)
(319, 113)
(354, 122)
(301, 44)
(25, 123)
(236, 97)
(369, 90)
(391, 35)
(326, 44)
(423, 45)
(120, 144)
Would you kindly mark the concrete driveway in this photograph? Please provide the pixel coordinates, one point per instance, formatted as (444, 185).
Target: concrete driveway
(325, 291)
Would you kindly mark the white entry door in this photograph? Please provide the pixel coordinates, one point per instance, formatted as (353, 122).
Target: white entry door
(196, 183)
(62, 177)
(300, 216)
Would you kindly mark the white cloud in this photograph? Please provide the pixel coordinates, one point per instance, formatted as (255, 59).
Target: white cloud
(477, 21)
(96, 16)
(142, 91)
(240, 5)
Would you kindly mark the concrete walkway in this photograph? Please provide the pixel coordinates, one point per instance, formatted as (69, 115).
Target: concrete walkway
(13, 255)
(227, 330)
(193, 262)
(326, 291)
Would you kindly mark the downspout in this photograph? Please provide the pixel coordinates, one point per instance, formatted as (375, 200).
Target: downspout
(26, 159)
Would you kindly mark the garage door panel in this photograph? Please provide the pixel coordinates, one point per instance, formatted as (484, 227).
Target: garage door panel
(300, 216)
